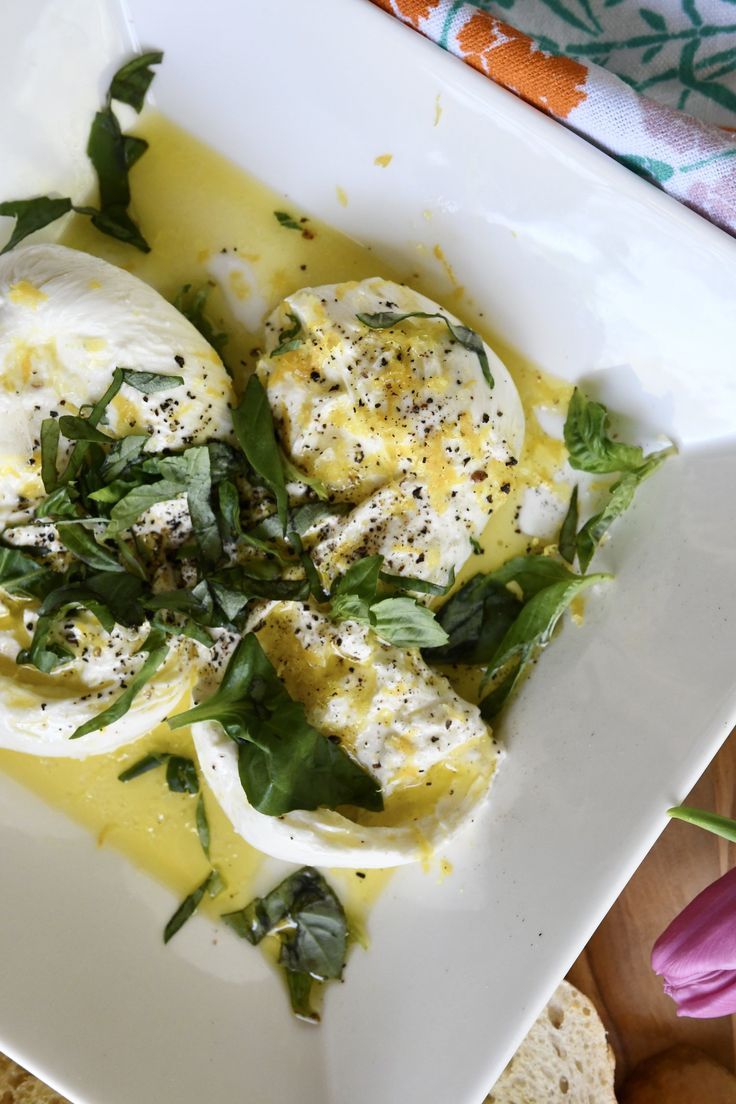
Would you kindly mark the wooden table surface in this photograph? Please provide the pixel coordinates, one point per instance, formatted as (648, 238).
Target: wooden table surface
(614, 968)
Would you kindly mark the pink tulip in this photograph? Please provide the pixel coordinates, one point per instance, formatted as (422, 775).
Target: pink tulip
(696, 954)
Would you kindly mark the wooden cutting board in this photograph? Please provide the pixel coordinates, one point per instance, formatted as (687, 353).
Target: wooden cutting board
(614, 970)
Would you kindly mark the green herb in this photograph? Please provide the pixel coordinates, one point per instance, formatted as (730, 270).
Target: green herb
(125, 451)
(287, 220)
(132, 81)
(469, 339)
(403, 622)
(192, 306)
(290, 337)
(592, 450)
(203, 826)
(529, 633)
(475, 620)
(476, 546)
(149, 383)
(79, 429)
(83, 545)
(50, 434)
(293, 475)
(157, 648)
(111, 596)
(126, 512)
(588, 444)
(21, 575)
(419, 586)
(143, 766)
(254, 429)
(228, 500)
(397, 620)
(568, 541)
(31, 215)
(181, 775)
(59, 504)
(305, 914)
(113, 154)
(189, 906)
(712, 822)
(44, 653)
(284, 762)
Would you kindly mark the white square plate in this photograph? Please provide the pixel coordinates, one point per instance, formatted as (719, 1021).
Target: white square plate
(594, 275)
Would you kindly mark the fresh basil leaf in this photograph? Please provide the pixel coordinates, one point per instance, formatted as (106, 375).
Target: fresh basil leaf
(229, 502)
(568, 531)
(306, 915)
(79, 429)
(530, 632)
(83, 545)
(290, 337)
(59, 504)
(532, 574)
(50, 434)
(181, 775)
(203, 826)
(469, 339)
(621, 497)
(44, 653)
(418, 586)
(132, 80)
(588, 444)
(187, 908)
(287, 220)
(360, 580)
(284, 762)
(125, 451)
(150, 383)
(294, 475)
(31, 215)
(311, 574)
(111, 597)
(225, 461)
(403, 622)
(192, 307)
(143, 766)
(493, 703)
(721, 826)
(234, 587)
(475, 619)
(476, 546)
(112, 153)
(254, 429)
(204, 522)
(197, 601)
(157, 648)
(21, 575)
(133, 505)
(350, 607)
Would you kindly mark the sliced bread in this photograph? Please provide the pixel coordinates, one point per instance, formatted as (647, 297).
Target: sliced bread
(565, 1058)
(18, 1086)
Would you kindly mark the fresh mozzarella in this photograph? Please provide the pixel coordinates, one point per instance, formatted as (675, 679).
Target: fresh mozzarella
(429, 749)
(67, 320)
(399, 422)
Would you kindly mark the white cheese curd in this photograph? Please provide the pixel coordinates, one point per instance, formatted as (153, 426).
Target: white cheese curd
(67, 320)
(430, 750)
(399, 422)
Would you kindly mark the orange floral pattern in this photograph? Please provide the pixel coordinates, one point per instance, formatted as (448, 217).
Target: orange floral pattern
(556, 84)
(410, 11)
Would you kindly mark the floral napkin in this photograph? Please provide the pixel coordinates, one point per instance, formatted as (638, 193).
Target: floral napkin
(654, 84)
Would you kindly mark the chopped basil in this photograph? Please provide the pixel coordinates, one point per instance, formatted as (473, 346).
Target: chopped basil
(203, 825)
(143, 766)
(287, 220)
(112, 154)
(192, 306)
(284, 762)
(31, 215)
(469, 339)
(190, 904)
(419, 586)
(254, 429)
(181, 775)
(290, 337)
(475, 620)
(50, 434)
(44, 652)
(403, 622)
(132, 80)
(21, 575)
(83, 545)
(567, 540)
(476, 546)
(111, 596)
(293, 475)
(125, 451)
(79, 429)
(157, 648)
(306, 915)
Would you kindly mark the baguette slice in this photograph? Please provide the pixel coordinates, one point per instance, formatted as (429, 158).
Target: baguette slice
(18, 1086)
(565, 1058)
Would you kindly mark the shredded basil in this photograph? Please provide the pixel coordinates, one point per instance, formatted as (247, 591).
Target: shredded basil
(192, 306)
(290, 337)
(306, 915)
(132, 80)
(31, 215)
(254, 429)
(469, 339)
